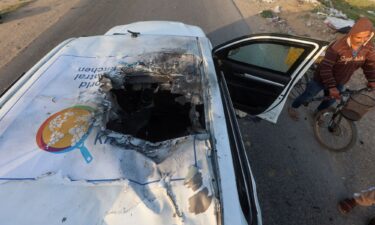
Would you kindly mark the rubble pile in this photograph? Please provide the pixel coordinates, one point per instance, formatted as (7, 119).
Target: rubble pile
(303, 17)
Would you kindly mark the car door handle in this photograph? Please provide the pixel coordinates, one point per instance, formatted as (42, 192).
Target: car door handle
(252, 77)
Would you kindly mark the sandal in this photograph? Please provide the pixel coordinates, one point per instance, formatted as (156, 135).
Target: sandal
(346, 205)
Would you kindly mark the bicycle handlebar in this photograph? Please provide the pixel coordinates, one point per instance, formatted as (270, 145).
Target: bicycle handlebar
(348, 91)
(344, 93)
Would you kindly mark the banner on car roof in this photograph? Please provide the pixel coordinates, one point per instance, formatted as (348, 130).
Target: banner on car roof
(51, 128)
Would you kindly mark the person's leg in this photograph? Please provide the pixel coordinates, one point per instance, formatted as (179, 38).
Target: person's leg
(312, 89)
(327, 103)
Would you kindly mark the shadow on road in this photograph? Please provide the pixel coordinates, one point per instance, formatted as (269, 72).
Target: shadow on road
(23, 13)
(228, 32)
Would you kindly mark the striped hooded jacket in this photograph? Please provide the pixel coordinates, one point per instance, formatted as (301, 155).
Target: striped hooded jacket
(339, 63)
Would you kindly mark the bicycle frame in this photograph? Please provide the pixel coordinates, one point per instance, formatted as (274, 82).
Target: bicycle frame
(332, 125)
(332, 128)
(345, 96)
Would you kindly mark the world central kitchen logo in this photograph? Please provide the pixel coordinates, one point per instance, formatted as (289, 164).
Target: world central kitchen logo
(90, 76)
(66, 131)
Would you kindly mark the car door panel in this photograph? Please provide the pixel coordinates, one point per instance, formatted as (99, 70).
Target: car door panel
(244, 178)
(260, 70)
(252, 86)
(244, 94)
(241, 68)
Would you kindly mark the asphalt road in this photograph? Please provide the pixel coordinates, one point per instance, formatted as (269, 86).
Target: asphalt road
(220, 19)
(298, 182)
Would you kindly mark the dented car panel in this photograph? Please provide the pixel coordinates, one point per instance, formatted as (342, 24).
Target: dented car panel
(106, 133)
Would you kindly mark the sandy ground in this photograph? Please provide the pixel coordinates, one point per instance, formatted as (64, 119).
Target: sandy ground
(19, 28)
(295, 17)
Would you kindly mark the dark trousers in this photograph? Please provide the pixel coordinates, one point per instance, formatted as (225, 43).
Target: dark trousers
(312, 89)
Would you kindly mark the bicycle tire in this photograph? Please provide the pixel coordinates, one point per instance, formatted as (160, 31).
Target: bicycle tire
(320, 130)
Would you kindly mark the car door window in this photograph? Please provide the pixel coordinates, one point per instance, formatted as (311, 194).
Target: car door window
(271, 56)
(260, 70)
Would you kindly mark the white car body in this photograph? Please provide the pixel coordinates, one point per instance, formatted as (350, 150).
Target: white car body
(101, 176)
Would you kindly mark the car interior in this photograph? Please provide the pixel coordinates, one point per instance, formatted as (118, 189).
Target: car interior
(257, 73)
(158, 98)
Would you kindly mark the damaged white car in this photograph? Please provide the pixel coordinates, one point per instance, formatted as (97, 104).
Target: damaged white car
(137, 127)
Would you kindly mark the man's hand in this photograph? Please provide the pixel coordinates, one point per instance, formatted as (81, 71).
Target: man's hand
(334, 93)
(371, 84)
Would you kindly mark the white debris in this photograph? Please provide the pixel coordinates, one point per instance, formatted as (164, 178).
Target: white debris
(337, 23)
(267, 1)
(310, 1)
(371, 12)
(276, 19)
(240, 113)
(322, 14)
(331, 11)
(277, 9)
(336, 13)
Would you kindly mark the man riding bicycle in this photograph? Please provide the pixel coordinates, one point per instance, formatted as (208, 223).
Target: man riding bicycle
(342, 58)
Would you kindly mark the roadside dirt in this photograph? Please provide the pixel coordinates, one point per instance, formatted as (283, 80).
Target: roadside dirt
(20, 27)
(295, 17)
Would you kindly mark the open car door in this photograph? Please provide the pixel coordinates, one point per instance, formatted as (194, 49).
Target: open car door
(260, 70)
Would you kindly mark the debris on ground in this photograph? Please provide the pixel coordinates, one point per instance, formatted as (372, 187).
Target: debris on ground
(277, 9)
(310, 1)
(337, 13)
(267, 1)
(338, 23)
(311, 18)
(344, 30)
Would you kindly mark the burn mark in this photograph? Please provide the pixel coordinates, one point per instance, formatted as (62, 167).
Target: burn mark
(200, 202)
(194, 178)
(156, 96)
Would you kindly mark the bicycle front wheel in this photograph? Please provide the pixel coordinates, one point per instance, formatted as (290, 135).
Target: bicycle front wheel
(335, 133)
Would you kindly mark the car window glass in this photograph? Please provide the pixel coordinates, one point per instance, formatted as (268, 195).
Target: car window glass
(272, 56)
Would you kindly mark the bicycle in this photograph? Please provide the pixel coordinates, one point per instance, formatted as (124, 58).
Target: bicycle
(336, 124)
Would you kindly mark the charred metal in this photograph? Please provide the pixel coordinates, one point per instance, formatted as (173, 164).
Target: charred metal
(156, 96)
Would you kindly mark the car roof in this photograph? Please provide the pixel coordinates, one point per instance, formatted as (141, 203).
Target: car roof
(65, 89)
(158, 28)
